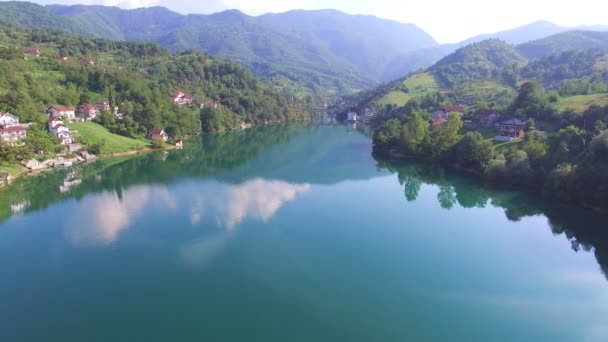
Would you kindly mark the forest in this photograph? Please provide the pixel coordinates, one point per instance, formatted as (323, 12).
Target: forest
(138, 78)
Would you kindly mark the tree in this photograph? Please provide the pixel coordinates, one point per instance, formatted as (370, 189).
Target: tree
(446, 135)
(389, 134)
(474, 151)
(415, 132)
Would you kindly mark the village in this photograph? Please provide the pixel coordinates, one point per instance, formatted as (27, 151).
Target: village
(507, 130)
(14, 133)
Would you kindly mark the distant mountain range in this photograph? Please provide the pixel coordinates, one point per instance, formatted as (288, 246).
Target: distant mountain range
(306, 52)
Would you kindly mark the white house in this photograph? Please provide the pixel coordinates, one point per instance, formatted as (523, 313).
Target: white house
(11, 135)
(8, 120)
(89, 111)
(61, 131)
(352, 116)
(61, 111)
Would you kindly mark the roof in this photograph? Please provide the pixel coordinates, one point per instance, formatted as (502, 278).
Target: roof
(457, 109)
(13, 129)
(157, 131)
(513, 122)
(7, 113)
(438, 121)
(86, 106)
(62, 108)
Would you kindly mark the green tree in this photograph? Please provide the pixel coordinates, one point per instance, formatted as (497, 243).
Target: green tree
(474, 151)
(446, 136)
(415, 132)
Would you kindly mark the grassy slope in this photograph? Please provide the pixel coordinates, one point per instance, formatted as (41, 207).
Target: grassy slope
(580, 103)
(418, 85)
(92, 133)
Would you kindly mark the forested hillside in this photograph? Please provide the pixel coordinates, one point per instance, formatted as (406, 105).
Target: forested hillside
(138, 78)
(316, 53)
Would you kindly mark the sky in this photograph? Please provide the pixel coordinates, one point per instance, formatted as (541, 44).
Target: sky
(448, 21)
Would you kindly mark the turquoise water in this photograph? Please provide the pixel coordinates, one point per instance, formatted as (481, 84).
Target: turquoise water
(292, 234)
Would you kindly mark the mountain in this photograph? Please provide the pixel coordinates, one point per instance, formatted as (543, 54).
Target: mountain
(571, 40)
(533, 32)
(29, 15)
(474, 62)
(326, 50)
(522, 34)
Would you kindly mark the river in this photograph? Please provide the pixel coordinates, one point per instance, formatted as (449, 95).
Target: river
(293, 233)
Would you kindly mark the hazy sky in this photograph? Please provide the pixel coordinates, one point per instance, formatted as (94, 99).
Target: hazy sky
(446, 20)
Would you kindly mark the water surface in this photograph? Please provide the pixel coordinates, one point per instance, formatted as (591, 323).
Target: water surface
(292, 233)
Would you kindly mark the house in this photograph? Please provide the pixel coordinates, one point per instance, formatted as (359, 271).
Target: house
(89, 111)
(440, 114)
(444, 92)
(352, 116)
(86, 61)
(487, 117)
(33, 52)
(435, 122)
(61, 111)
(454, 109)
(179, 144)
(209, 104)
(180, 98)
(61, 131)
(62, 58)
(8, 120)
(103, 106)
(512, 129)
(159, 134)
(12, 135)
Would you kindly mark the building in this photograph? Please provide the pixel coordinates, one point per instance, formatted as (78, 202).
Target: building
(512, 129)
(179, 144)
(8, 120)
(435, 122)
(209, 104)
(89, 111)
(60, 112)
(454, 109)
(13, 135)
(61, 131)
(352, 116)
(181, 99)
(35, 52)
(63, 58)
(159, 134)
(487, 117)
(86, 61)
(440, 114)
(103, 106)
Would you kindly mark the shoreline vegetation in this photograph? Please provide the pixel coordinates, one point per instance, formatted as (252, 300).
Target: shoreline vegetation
(559, 156)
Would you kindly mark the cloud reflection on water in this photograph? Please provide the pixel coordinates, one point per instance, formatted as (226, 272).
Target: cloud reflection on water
(100, 219)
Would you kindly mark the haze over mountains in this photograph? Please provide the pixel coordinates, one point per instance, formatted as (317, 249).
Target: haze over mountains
(324, 50)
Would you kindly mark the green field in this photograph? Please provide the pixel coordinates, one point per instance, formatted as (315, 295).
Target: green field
(398, 98)
(421, 84)
(92, 133)
(580, 103)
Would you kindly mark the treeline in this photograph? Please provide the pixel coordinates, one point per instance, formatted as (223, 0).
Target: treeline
(564, 154)
(138, 78)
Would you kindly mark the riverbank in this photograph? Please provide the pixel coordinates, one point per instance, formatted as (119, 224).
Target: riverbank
(535, 189)
(18, 171)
